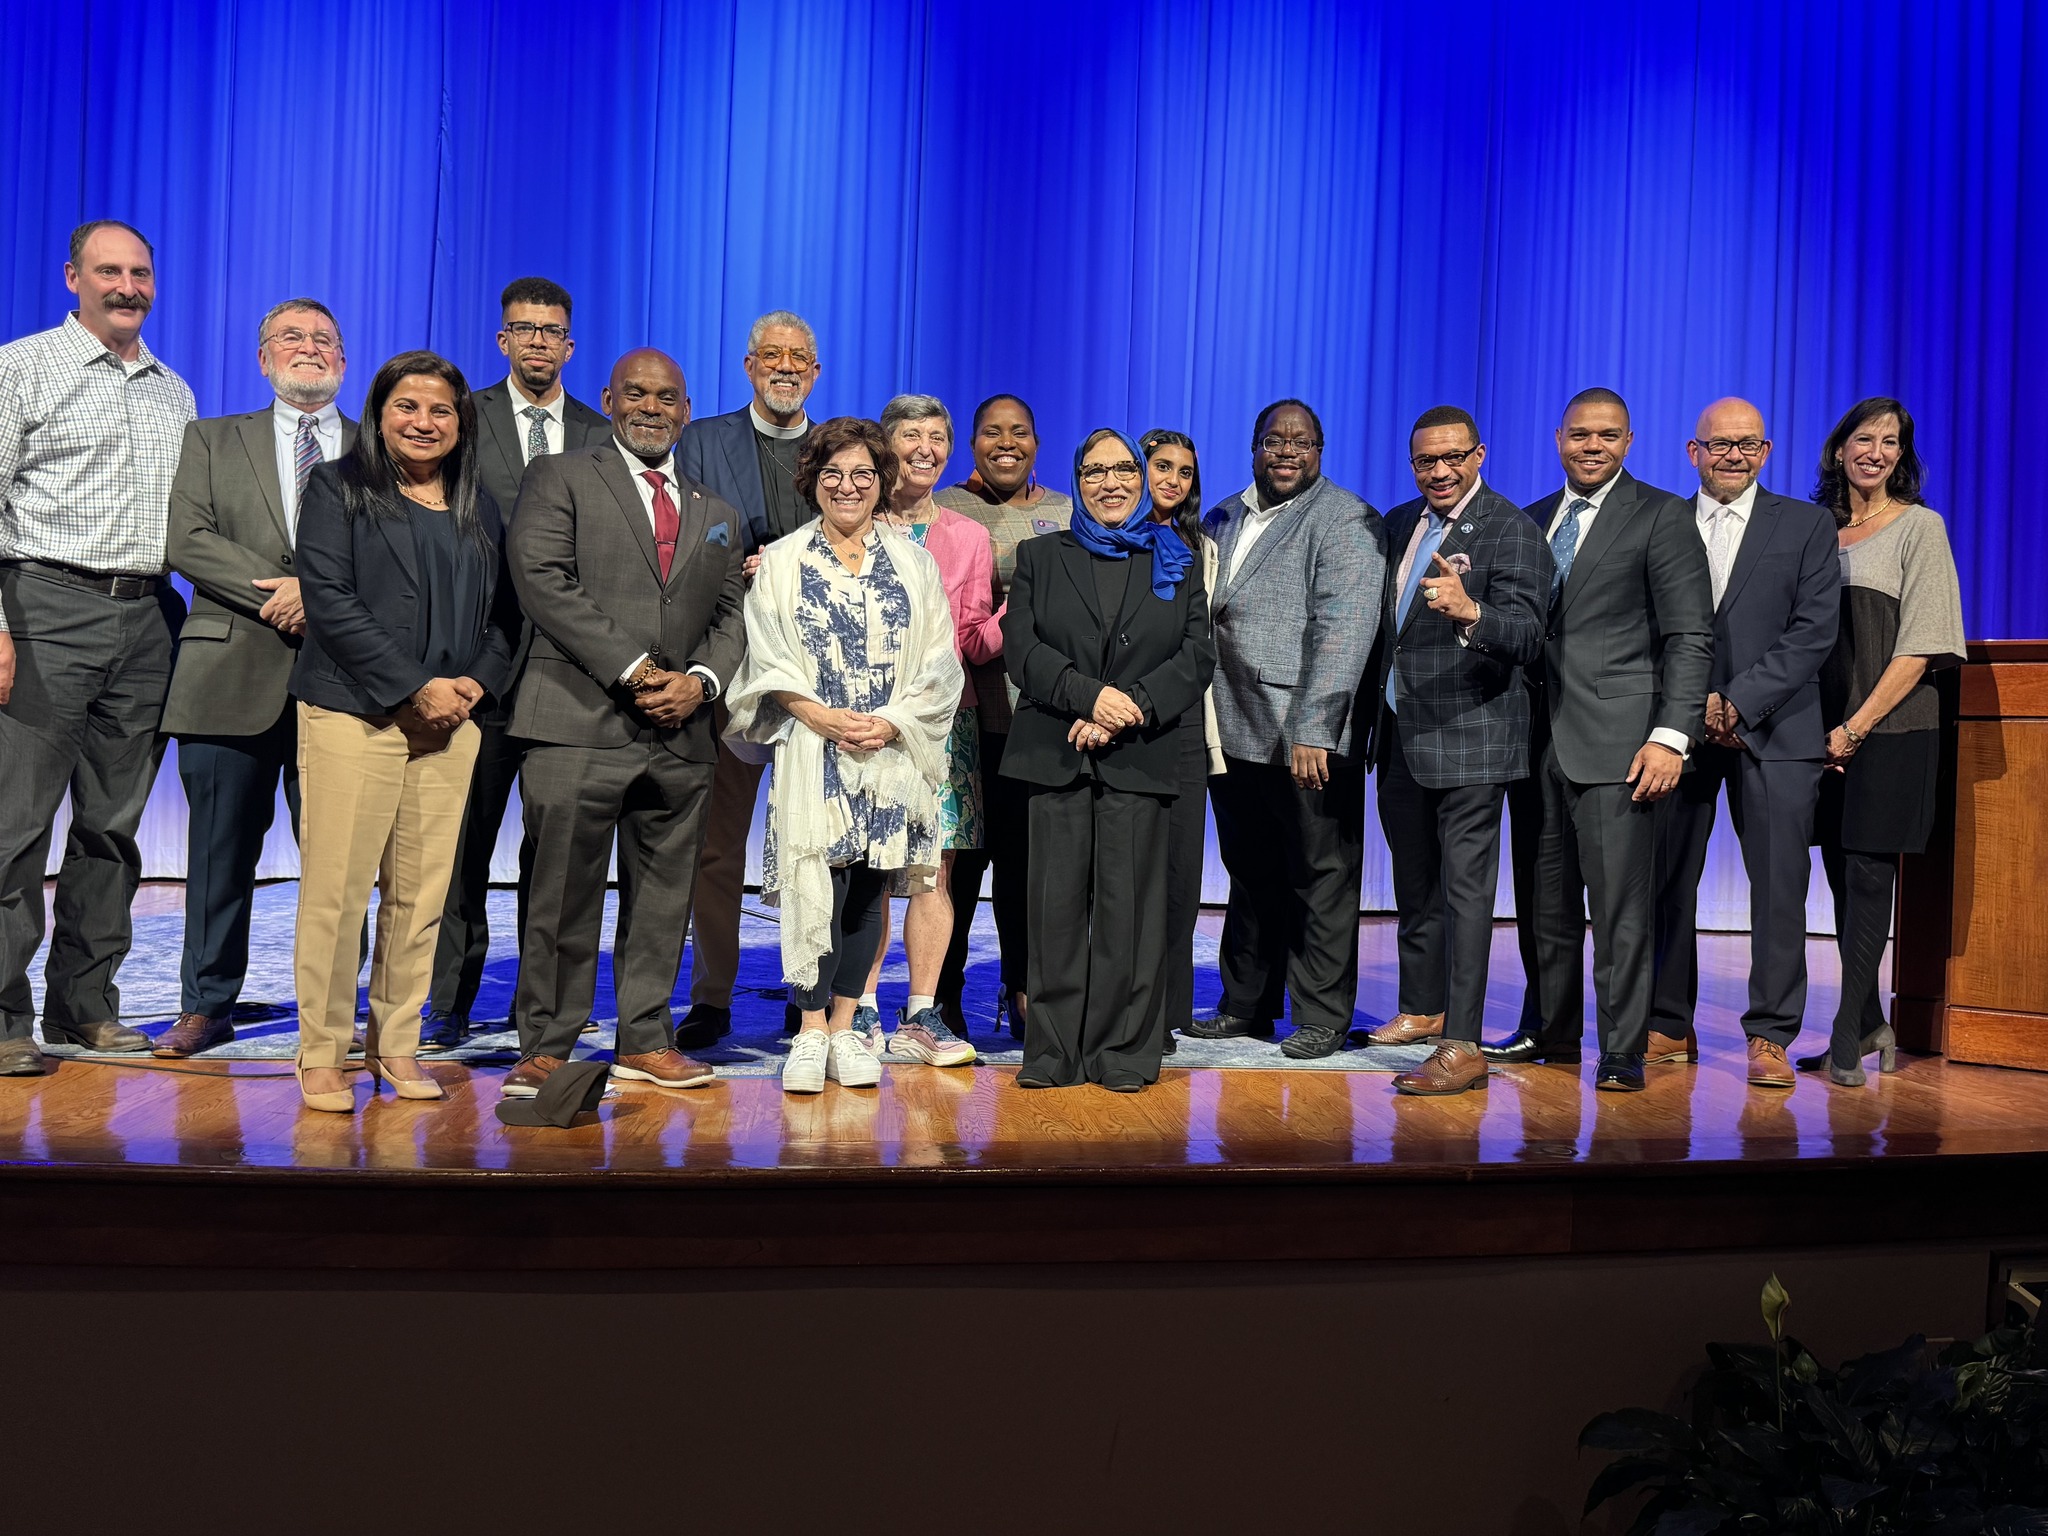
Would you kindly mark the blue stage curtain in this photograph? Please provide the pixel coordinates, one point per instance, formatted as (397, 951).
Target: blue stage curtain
(1163, 212)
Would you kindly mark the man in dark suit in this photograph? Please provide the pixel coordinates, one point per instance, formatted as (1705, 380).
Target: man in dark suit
(1776, 574)
(1627, 650)
(747, 457)
(1299, 570)
(233, 523)
(1463, 615)
(632, 577)
(524, 416)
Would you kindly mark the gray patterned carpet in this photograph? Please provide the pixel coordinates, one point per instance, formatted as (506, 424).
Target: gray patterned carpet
(266, 1025)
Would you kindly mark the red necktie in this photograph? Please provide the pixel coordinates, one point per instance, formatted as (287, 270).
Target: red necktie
(666, 524)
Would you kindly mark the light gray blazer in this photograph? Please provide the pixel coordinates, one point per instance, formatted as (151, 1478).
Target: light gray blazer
(1295, 625)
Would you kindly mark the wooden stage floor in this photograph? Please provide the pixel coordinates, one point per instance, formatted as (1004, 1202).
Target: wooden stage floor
(220, 1163)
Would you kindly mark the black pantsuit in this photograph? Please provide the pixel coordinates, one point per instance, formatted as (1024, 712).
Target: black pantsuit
(1446, 861)
(1771, 804)
(465, 941)
(231, 785)
(1295, 858)
(1186, 845)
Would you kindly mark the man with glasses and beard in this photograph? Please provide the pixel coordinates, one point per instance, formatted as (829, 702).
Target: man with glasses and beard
(1299, 567)
(234, 522)
(91, 424)
(747, 458)
(525, 416)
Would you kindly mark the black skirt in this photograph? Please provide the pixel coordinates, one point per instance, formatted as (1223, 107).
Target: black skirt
(1885, 802)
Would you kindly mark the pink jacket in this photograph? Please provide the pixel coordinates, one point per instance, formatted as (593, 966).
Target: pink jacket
(967, 565)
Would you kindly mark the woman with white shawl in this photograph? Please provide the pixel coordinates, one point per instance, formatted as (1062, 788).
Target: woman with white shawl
(849, 688)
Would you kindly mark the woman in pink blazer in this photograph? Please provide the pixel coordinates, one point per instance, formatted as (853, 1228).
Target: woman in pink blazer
(921, 433)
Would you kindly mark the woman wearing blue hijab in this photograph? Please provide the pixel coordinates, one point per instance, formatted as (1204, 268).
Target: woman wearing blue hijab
(1107, 640)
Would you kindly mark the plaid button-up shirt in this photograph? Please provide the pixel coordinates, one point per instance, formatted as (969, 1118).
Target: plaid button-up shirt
(88, 447)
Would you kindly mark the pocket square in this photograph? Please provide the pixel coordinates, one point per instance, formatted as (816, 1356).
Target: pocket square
(1460, 562)
(718, 533)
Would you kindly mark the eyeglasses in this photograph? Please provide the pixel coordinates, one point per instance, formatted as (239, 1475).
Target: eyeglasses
(1276, 444)
(526, 330)
(1092, 474)
(324, 341)
(831, 479)
(1423, 463)
(1721, 447)
(781, 357)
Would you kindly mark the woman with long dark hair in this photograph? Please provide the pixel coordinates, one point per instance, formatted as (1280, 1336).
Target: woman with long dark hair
(1173, 476)
(1902, 618)
(398, 557)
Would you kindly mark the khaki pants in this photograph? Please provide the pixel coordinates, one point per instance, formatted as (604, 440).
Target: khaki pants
(372, 809)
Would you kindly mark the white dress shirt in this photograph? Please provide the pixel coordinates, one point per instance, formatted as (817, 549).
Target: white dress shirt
(638, 467)
(555, 425)
(284, 417)
(1738, 510)
(1663, 735)
(1257, 520)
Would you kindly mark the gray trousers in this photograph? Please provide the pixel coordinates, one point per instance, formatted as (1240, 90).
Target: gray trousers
(91, 673)
(575, 800)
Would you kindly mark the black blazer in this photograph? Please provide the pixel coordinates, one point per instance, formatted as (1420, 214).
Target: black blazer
(1463, 712)
(718, 452)
(1776, 625)
(1054, 637)
(499, 462)
(359, 581)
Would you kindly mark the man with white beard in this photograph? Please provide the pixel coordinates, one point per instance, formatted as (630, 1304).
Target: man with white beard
(233, 525)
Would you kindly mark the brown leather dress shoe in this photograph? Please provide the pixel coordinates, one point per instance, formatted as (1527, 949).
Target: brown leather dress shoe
(665, 1069)
(1407, 1029)
(1453, 1066)
(102, 1036)
(524, 1080)
(22, 1057)
(1672, 1047)
(1768, 1067)
(193, 1033)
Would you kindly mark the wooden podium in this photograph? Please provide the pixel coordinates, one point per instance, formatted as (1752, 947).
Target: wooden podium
(1970, 960)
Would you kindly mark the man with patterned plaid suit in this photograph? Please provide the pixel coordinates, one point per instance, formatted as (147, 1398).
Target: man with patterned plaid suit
(1463, 615)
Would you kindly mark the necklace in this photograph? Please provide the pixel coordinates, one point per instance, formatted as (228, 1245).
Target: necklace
(436, 501)
(1858, 522)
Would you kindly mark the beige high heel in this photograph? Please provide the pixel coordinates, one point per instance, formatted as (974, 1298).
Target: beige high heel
(404, 1087)
(340, 1101)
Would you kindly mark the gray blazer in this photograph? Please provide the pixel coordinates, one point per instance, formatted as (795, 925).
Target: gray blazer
(227, 529)
(1294, 628)
(581, 550)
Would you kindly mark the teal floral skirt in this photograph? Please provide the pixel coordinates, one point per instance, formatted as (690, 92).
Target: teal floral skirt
(960, 823)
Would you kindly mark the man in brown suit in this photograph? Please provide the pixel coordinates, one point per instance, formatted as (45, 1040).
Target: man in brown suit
(632, 577)
(233, 524)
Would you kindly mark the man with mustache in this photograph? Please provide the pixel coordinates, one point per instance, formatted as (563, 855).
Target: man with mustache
(91, 423)
(234, 522)
(632, 575)
(748, 458)
(1004, 496)
(525, 416)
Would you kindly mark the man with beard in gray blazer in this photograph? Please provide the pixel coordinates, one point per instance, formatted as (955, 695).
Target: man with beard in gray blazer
(234, 517)
(632, 577)
(1300, 563)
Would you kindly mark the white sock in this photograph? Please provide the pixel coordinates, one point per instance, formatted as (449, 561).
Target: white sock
(867, 1000)
(917, 1004)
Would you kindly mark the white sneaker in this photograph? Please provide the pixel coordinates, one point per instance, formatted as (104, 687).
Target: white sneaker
(850, 1061)
(804, 1071)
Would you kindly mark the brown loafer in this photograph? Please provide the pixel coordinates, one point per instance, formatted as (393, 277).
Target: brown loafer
(524, 1080)
(102, 1036)
(1768, 1067)
(1407, 1029)
(1672, 1047)
(665, 1069)
(193, 1033)
(21, 1057)
(1453, 1066)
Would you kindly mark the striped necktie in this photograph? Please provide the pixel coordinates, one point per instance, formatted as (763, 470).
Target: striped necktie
(536, 433)
(305, 454)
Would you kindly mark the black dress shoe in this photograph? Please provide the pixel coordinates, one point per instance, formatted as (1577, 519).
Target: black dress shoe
(1170, 1046)
(1521, 1047)
(1619, 1073)
(704, 1026)
(1310, 1041)
(444, 1032)
(1227, 1026)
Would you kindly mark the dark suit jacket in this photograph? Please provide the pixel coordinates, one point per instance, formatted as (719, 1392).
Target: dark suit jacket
(718, 452)
(1630, 638)
(1055, 641)
(1464, 713)
(1776, 625)
(360, 581)
(583, 558)
(227, 529)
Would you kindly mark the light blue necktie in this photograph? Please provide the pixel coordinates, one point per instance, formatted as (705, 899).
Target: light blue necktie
(1564, 544)
(1432, 535)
